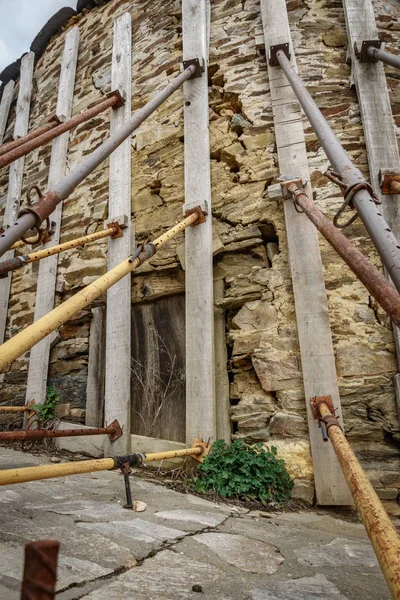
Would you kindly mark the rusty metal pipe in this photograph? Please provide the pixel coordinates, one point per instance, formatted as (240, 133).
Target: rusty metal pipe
(385, 57)
(381, 531)
(5, 148)
(34, 216)
(28, 435)
(40, 570)
(382, 236)
(375, 282)
(30, 336)
(15, 409)
(45, 138)
(17, 262)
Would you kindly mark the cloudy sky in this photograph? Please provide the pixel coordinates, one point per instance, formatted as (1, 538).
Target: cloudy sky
(20, 21)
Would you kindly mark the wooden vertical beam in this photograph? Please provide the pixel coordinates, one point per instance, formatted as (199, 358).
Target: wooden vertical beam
(317, 357)
(5, 104)
(46, 284)
(118, 321)
(377, 119)
(16, 174)
(96, 369)
(200, 369)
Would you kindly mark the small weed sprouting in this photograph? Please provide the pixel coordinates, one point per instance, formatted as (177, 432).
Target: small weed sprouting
(244, 472)
(46, 411)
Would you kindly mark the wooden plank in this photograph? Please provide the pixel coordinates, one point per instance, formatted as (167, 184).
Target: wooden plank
(5, 104)
(200, 368)
(96, 369)
(47, 276)
(316, 349)
(15, 176)
(376, 117)
(118, 322)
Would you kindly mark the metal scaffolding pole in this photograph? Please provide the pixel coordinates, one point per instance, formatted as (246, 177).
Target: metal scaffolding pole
(381, 531)
(375, 282)
(20, 261)
(5, 148)
(45, 134)
(357, 189)
(114, 431)
(30, 336)
(21, 475)
(383, 56)
(33, 216)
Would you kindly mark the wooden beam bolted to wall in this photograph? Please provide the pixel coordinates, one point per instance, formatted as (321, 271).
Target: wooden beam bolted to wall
(117, 402)
(16, 175)
(316, 349)
(200, 367)
(47, 277)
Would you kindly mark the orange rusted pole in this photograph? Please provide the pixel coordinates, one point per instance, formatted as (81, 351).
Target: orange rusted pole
(114, 431)
(375, 282)
(5, 148)
(12, 155)
(381, 531)
(40, 570)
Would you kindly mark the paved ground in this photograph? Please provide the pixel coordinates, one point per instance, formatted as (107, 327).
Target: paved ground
(180, 541)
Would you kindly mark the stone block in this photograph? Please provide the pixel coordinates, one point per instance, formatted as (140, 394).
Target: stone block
(304, 491)
(62, 410)
(387, 493)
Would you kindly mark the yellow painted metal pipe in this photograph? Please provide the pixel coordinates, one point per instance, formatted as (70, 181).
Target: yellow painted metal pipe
(381, 531)
(10, 476)
(24, 474)
(14, 409)
(19, 261)
(23, 341)
(20, 244)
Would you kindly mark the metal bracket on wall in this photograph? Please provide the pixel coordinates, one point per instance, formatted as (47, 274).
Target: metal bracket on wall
(362, 53)
(120, 98)
(389, 180)
(273, 61)
(198, 63)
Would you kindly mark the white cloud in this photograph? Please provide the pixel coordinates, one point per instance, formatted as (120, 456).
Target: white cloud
(20, 21)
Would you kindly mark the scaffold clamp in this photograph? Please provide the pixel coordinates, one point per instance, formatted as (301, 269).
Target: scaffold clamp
(199, 63)
(362, 53)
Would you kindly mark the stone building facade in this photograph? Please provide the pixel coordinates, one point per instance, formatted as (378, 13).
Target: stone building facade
(251, 259)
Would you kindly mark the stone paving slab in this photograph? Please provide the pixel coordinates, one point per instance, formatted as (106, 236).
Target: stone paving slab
(108, 552)
(307, 588)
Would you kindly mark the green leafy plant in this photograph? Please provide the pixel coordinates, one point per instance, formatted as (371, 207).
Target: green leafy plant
(46, 411)
(244, 472)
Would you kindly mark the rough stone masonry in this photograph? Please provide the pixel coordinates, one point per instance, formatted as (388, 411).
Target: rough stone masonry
(266, 391)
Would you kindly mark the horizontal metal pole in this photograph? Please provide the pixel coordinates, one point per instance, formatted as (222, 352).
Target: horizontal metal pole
(20, 261)
(14, 409)
(24, 474)
(30, 336)
(5, 148)
(41, 434)
(44, 138)
(383, 56)
(20, 244)
(381, 531)
(36, 214)
(375, 282)
(385, 241)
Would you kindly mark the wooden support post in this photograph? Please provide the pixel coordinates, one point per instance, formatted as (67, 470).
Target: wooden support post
(96, 369)
(118, 322)
(317, 357)
(200, 368)
(46, 284)
(5, 104)
(16, 174)
(223, 407)
(377, 120)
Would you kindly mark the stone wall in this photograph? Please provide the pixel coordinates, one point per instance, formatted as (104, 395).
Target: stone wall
(251, 256)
